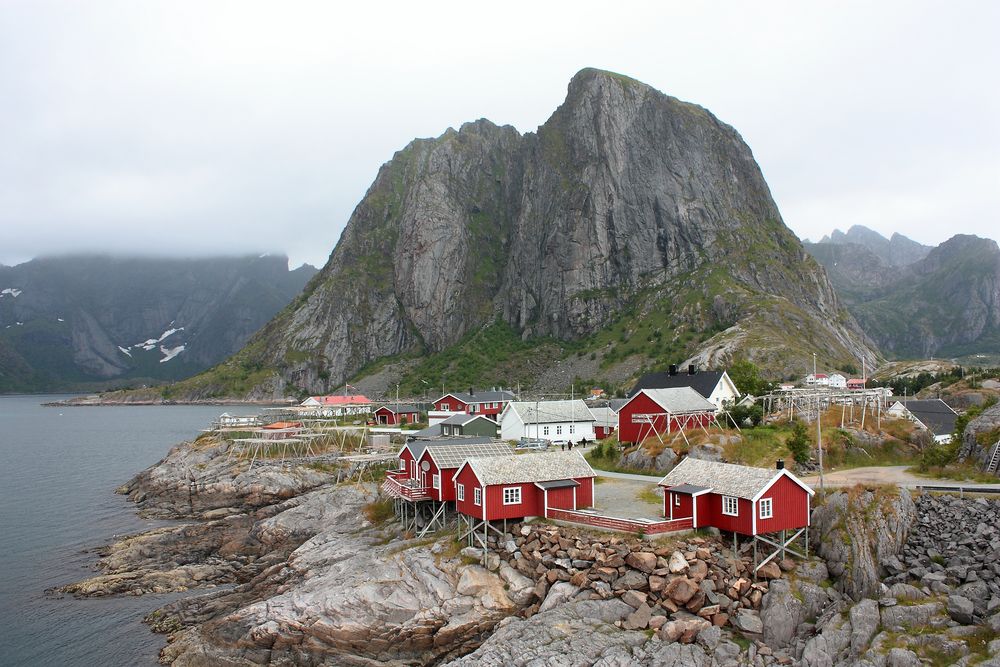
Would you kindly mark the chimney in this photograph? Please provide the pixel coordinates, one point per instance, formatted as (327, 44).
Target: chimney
(471, 392)
(673, 369)
(779, 464)
(691, 369)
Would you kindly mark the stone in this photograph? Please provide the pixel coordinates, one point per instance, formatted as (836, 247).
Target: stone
(769, 570)
(560, 593)
(865, 621)
(657, 584)
(748, 621)
(709, 637)
(642, 561)
(634, 599)
(677, 563)
(900, 657)
(639, 619)
(697, 570)
(681, 590)
(961, 609)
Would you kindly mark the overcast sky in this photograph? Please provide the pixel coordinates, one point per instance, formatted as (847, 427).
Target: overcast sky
(227, 127)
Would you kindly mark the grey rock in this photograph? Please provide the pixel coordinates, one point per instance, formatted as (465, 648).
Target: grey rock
(901, 657)
(865, 621)
(560, 593)
(748, 621)
(961, 609)
(901, 617)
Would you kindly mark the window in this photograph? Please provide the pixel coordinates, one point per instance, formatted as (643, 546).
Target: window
(766, 508)
(446, 407)
(559, 429)
(436, 481)
(677, 500)
(545, 430)
(512, 495)
(472, 408)
(460, 491)
(402, 465)
(477, 496)
(730, 506)
(445, 430)
(572, 428)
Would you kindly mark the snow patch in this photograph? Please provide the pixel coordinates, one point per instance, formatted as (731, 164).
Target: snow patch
(125, 350)
(153, 342)
(59, 319)
(170, 353)
(10, 290)
(20, 324)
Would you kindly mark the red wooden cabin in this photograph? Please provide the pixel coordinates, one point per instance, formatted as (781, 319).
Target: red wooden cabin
(440, 462)
(515, 487)
(392, 415)
(734, 498)
(663, 411)
(487, 403)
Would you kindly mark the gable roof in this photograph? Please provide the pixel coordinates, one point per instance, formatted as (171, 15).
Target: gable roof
(547, 412)
(461, 419)
(933, 413)
(399, 409)
(448, 455)
(617, 404)
(605, 417)
(726, 479)
(339, 399)
(517, 469)
(703, 382)
(679, 400)
(417, 446)
(494, 395)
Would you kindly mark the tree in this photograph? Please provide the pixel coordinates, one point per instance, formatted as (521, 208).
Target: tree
(746, 376)
(744, 414)
(798, 443)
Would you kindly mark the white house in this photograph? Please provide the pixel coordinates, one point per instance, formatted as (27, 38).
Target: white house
(837, 381)
(817, 380)
(716, 386)
(933, 415)
(556, 421)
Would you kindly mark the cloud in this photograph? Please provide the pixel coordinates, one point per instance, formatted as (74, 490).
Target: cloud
(252, 126)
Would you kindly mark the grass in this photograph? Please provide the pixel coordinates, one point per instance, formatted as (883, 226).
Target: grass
(649, 495)
(379, 512)
(957, 472)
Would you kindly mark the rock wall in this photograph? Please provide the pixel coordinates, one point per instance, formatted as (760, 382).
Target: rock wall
(857, 531)
(981, 434)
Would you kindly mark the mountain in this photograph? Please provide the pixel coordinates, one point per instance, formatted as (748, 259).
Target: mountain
(95, 321)
(945, 304)
(631, 230)
(897, 250)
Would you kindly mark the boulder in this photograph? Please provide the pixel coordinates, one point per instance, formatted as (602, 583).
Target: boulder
(642, 561)
(769, 570)
(677, 563)
(961, 609)
(560, 593)
(865, 621)
(639, 619)
(681, 590)
(748, 621)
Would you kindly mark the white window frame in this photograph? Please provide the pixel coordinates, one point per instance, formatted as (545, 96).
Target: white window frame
(446, 407)
(515, 495)
(558, 429)
(545, 430)
(677, 499)
(572, 429)
(477, 496)
(769, 504)
(730, 503)
(460, 491)
(472, 408)
(436, 481)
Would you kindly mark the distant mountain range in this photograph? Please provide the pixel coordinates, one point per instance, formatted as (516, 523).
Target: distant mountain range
(916, 301)
(91, 321)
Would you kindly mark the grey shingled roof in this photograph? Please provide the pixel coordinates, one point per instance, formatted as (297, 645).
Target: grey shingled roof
(544, 467)
(461, 419)
(454, 455)
(725, 479)
(552, 411)
(703, 382)
(491, 396)
(680, 399)
(418, 445)
(400, 409)
(933, 413)
(605, 417)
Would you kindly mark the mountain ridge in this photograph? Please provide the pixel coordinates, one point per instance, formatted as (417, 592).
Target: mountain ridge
(625, 201)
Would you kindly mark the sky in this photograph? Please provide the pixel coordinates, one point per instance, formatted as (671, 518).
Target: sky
(206, 128)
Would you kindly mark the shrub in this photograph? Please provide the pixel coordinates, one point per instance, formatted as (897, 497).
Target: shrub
(798, 442)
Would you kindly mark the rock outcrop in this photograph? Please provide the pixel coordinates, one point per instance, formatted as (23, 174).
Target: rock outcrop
(857, 531)
(981, 435)
(624, 198)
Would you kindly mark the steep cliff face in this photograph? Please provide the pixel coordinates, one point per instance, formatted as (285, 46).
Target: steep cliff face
(624, 200)
(81, 321)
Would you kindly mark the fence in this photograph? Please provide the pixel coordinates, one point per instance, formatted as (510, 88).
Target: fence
(623, 525)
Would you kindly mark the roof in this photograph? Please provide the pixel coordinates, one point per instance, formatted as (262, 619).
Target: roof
(689, 488)
(557, 484)
(491, 396)
(524, 468)
(933, 413)
(679, 400)
(604, 417)
(447, 455)
(282, 425)
(726, 479)
(338, 399)
(429, 432)
(703, 382)
(617, 404)
(417, 446)
(461, 419)
(399, 409)
(543, 412)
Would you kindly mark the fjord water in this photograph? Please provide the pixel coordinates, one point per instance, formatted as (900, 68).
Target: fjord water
(59, 467)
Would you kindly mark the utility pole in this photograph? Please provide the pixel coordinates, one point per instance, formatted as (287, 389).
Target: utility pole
(819, 430)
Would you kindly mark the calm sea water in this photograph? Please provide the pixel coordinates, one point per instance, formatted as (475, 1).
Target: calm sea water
(59, 468)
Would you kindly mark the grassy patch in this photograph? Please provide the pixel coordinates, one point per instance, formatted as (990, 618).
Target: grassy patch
(379, 512)
(649, 495)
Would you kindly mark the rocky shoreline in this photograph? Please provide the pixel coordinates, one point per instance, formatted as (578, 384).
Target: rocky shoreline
(288, 567)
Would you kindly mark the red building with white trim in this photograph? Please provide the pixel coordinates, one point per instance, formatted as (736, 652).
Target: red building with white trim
(392, 415)
(516, 487)
(736, 499)
(487, 403)
(662, 411)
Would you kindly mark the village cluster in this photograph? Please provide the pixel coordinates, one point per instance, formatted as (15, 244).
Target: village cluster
(475, 460)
